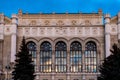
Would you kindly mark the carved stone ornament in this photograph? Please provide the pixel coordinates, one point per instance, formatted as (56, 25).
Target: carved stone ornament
(73, 22)
(47, 22)
(33, 22)
(94, 30)
(27, 31)
(60, 23)
(87, 22)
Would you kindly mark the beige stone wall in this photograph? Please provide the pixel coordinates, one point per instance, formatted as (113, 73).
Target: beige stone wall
(67, 28)
(6, 50)
(68, 40)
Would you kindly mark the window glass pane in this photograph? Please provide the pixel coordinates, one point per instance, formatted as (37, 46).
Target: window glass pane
(32, 50)
(90, 57)
(45, 57)
(61, 57)
(76, 57)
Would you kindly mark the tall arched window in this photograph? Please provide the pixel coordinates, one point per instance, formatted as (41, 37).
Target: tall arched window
(76, 57)
(32, 50)
(45, 57)
(90, 57)
(60, 57)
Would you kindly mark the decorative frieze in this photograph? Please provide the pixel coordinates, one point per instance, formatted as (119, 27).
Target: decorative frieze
(87, 30)
(7, 30)
(42, 31)
(80, 30)
(114, 29)
(61, 31)
(94, 31)
(34, 31)
(49, 30)
(20, 31)
(58, 22)
(27, 31)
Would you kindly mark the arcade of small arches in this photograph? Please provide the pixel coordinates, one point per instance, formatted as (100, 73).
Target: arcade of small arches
(63, 57)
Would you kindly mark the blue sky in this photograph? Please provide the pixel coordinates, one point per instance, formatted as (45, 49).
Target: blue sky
(9, 7)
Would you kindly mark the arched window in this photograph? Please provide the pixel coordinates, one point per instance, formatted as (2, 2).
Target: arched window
(76, 57)
(60, 57)
(90, 57)
(45, 57)
(32, 50)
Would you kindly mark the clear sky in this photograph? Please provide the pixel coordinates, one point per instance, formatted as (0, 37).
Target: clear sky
(9, 7)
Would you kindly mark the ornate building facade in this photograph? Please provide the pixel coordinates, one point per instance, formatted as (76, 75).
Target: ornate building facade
(64, 46)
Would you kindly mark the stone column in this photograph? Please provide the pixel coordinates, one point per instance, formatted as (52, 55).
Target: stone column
(119, 26)
(107, 34)
(37, 60)
(13, 37)
(68, 61)
(83, 60)
(53, 61)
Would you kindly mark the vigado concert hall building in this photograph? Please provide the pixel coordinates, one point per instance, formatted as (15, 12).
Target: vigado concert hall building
(64, 46)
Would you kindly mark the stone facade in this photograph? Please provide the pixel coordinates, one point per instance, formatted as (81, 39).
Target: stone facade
(80, 27)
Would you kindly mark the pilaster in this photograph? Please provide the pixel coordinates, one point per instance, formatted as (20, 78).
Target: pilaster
(107, 34)
(13, 37)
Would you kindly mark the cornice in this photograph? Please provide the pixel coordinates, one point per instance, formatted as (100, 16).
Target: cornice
(63, 26)
(59, 16)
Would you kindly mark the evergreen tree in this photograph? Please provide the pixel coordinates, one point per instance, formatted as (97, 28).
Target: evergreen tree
(110, 68)
(24, 68)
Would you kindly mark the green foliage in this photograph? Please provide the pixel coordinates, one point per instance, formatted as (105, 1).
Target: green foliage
(110, 68)
(24, 68)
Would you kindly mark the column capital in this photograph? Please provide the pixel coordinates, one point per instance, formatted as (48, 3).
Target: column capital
(14, 19)
(107, 15)
(107, 18)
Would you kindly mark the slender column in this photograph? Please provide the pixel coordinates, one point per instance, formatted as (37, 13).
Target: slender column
(83, 61)
(107, 34)
(37, 60)
(68, 61)
(13, 47)
(68, 64)
(13, 37)
(98, 59)
(53, 64)
(53, 61)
